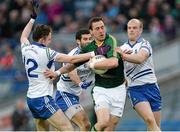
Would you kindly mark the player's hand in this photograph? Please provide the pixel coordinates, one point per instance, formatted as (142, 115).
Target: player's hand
(102, 50)
(88, 64)
(118, 50)
(126, 51)
(50, 74)
(35, 6)
(85, 85)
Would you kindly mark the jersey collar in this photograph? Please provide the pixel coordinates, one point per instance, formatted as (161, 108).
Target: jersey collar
(38, 44)
(101, 43)
(139, 39)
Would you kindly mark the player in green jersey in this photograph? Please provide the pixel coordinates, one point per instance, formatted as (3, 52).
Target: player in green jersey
(109, 93)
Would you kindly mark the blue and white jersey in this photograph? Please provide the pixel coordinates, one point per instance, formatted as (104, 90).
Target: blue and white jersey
(37, 58)
(65, 84)
(139, 74)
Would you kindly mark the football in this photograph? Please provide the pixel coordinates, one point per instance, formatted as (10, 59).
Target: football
(98, 58)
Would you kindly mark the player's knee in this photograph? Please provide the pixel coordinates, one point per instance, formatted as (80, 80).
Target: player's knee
(87, 125)
(114, 123)
(103, 124)
(149, 120)
(66, 126)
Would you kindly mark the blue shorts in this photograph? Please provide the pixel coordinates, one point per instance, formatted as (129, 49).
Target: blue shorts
(65, 100)
(147, 92)
(42, 107)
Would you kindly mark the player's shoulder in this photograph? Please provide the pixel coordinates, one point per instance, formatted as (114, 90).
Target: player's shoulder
(25, 44)
(145, 42)
(110, 40)
(110, 37)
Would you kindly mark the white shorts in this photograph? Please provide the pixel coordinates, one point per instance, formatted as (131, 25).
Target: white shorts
(110, 98)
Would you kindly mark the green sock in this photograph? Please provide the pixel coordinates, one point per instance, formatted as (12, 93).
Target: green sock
(93, 129)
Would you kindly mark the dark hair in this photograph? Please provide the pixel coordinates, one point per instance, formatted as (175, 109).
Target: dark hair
(94, 19)
(81, 32)
(41, 31)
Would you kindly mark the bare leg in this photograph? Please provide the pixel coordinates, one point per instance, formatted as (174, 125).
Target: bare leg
(60, 121)
(112, 123)
(103, 117)
(157, 116)
(144, 110)
(81, 119)
(41, 125)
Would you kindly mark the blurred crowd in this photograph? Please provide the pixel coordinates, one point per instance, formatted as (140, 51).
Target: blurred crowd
(69, 15)
(160, 17)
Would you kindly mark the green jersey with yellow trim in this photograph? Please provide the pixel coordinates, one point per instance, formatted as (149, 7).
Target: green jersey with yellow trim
(113, 77)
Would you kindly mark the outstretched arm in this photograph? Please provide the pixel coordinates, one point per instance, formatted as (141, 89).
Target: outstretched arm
(107, 63)
(72, 74)
(138, 58)
(75, 58)
(27, 30)
(76, 79)
(54, 74)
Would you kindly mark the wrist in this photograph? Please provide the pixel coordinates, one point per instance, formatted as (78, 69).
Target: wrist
(32, 20)
(92, 53)
(123, 56)
(91, 65)
(58, 73)
(80, 84)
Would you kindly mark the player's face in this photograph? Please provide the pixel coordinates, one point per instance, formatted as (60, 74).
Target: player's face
(85, 39)
(134, 30)
(48, 39)
(98, 30)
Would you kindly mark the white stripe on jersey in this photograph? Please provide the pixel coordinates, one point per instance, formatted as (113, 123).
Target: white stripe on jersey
(139, 74)
(37, 58)
(65, 84)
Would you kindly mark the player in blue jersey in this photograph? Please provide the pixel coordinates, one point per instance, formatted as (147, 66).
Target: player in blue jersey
(70, 85)
(37, 57)
(143, 89)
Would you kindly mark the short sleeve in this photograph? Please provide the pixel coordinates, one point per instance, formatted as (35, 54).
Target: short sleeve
(51, 54)
(24, 44)
(147, 47)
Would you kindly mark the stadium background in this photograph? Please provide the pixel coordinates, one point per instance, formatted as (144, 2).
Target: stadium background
(161, 20)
